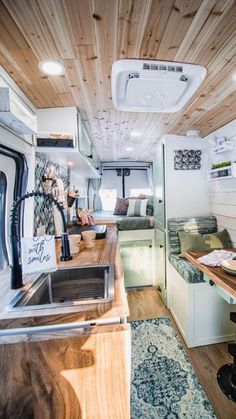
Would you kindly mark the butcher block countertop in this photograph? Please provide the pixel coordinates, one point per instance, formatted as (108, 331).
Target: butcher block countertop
(105, 251)
(217, 274)
(78, 373)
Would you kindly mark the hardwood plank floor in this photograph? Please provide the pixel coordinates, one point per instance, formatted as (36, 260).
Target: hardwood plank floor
(146, 303)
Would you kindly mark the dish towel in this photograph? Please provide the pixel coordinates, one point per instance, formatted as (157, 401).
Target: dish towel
(38, 254)
(216, 257)
(57, 221)
(60, 191)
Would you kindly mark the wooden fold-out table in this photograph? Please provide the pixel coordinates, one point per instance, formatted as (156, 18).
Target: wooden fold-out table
(216, 274)
(226, 375)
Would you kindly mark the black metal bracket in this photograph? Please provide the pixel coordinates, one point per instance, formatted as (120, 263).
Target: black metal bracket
(226, 375)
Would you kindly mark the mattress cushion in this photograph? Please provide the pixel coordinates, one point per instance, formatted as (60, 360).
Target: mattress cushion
(186, 269)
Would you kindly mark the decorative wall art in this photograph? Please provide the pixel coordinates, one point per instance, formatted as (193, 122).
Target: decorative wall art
(43, 214)
(187, 159)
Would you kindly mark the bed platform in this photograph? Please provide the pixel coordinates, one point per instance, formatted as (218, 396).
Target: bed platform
(123, 222)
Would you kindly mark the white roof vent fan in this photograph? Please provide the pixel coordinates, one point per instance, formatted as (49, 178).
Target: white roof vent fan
(154, 86)
(193, 133)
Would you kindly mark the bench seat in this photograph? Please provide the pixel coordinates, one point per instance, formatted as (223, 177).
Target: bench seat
(186, 269)
(203, 225)
(201, 314)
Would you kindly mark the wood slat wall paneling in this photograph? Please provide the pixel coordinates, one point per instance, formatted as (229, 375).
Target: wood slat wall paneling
(222, 192)
(225, 198)
(89, 35)
(221, 209)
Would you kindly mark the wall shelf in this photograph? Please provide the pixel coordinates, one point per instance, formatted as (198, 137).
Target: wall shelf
(221, 173)
(223, 149)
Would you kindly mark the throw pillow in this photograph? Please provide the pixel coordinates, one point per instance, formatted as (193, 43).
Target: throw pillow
(150, 208)
(189, 241)
(137, 207)
(121, 206)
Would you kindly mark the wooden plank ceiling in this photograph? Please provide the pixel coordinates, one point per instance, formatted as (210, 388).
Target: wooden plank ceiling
(88, 35)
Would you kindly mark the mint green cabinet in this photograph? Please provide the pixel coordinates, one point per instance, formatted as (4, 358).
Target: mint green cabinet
(159, 186)
(137, 257)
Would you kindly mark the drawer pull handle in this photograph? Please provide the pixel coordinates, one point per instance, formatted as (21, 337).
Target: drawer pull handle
(59, 327)
(161, 246)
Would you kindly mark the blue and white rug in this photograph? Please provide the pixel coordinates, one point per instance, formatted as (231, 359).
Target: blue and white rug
(164, 384)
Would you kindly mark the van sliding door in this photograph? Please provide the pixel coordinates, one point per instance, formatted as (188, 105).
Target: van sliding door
(3, 193)
(13, 182)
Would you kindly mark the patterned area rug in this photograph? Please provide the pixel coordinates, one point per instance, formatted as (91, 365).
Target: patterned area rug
(164, 384)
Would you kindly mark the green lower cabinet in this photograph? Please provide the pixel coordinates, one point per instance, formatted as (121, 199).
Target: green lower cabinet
(159, 186)
(137, 257)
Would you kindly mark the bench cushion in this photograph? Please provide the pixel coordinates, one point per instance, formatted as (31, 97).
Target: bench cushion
(201, 225)
(186, 269)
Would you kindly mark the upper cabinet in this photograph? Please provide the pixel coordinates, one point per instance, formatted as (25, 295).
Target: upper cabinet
(85, 144)
(62, 130)
(16, 111)
(58, 128)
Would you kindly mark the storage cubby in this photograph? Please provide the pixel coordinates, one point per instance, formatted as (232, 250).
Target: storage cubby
(220, 173)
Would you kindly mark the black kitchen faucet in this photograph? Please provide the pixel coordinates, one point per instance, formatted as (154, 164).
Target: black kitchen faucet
(16, 268)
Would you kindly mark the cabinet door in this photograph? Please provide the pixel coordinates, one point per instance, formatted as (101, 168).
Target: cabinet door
(85, 146)
(160, 263)
(83, 377)
(95, 159)
(137, 257)
(159, 186)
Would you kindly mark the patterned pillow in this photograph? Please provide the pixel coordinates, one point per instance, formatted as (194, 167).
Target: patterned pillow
(121, 206)
(137, 207)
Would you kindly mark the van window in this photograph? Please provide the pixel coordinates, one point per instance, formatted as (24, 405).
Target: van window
(123, 182)
(108, 198)
(140, 191)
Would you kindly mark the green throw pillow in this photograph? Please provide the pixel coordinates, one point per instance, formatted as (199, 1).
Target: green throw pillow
(189, 241)
(137, 207)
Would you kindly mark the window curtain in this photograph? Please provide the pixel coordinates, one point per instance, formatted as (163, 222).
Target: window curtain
(150, 178)
(93, 194)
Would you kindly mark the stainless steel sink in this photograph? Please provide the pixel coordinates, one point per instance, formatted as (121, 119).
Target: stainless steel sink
(67, 287)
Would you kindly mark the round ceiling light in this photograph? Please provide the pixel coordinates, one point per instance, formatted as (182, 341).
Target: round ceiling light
(51, 67)
(135, 134)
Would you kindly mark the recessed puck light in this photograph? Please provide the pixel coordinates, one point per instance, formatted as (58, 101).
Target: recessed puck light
(51, 67)
(135, 134)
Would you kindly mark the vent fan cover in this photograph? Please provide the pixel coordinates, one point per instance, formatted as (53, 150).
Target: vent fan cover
(154, 86)
(163, 67)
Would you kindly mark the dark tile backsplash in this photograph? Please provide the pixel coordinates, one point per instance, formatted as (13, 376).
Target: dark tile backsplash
(43, 213)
